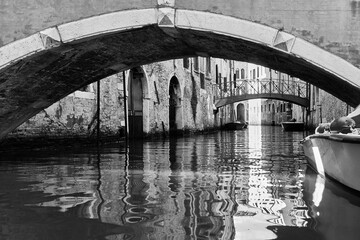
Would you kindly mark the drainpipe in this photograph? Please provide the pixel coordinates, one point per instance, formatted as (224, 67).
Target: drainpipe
(125, 108)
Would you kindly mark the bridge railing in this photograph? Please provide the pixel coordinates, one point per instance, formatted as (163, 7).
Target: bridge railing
(239, 87)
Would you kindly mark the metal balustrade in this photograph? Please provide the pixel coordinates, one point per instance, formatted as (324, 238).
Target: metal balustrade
(291, 90)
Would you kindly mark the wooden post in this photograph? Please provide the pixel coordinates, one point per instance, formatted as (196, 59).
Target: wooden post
(308, 110)
(125, 108)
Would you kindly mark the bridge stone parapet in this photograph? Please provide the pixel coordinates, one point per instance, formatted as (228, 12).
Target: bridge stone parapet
(331, 25)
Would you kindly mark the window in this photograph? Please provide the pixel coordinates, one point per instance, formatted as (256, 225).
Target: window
(225, 84)
(237, 74)
(202, 80)
(234, 78)
(254, 74)
(220, 80)
(186, 63)
(217, 74)
(257, 71)
(242, 73)
(317, 95)
(196, 63)
(208, 65)
(202, 64)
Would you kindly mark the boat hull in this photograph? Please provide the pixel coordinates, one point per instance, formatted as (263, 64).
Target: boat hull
(234, 126)
(293, 126)
(337, 155)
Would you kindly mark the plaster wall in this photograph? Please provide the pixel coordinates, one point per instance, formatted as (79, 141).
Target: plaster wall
(196, 103)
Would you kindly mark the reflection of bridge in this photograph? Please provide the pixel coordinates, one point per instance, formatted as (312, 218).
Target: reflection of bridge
(290, 90)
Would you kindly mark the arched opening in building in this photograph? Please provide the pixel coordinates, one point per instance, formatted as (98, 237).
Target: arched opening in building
(240, 110)
(135, 104)
(175, 113)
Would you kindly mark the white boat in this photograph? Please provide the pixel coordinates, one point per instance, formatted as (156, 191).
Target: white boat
(335, 154)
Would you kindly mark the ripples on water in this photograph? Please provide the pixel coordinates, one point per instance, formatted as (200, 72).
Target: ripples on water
(250, 184)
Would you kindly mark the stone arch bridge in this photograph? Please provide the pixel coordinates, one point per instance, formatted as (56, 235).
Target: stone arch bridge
(51, 48)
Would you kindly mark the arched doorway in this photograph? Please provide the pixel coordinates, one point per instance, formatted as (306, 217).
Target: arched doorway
(175, 116)
(135, 104)
(240, 110)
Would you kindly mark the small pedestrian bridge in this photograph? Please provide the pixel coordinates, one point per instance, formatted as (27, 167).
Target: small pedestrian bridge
(290, 90)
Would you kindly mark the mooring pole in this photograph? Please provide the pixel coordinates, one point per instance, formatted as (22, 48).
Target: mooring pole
(270, 87)
(125, 108)
(308, 109)
(98, 112)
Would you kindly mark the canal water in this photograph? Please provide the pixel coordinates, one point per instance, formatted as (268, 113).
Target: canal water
(248, 184)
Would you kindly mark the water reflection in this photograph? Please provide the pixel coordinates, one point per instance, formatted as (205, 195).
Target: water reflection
(250, 184)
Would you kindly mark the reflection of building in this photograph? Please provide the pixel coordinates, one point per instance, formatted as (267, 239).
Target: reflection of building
(182, 187)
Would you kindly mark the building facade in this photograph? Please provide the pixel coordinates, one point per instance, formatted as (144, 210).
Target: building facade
(159, 98)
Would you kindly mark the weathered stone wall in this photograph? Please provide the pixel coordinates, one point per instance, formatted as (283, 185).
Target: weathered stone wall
(112, 105)
(76, 115)
(332, 107)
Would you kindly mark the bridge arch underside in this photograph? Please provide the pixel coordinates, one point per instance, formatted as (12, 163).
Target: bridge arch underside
(287, 98)
(39, 70)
